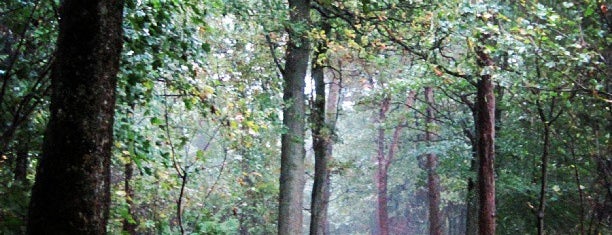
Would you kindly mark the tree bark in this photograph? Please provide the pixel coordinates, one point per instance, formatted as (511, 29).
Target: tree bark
(21, 164)
(485, 140)
(381, 173)
(471, 218)
(433, 180)
(129, 225)
(322, 135)
(383, 161)
(71, 194)
(544, 178)
(486, 154)
(292, 140)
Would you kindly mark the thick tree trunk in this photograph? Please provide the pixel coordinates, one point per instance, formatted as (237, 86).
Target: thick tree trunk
(485, 107)
(292, 141)
(71, 194)
(433, 180)
(322, 133)
(485, 140)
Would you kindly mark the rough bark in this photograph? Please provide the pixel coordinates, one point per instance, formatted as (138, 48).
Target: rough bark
(433, 180)
(486, 154)
(71, 194)
(485, 140)
(322, 133)
(292, 140)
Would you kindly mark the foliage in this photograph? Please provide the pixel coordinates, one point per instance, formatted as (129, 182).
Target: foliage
(199, 95)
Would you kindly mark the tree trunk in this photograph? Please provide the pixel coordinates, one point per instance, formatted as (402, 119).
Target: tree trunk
(433, 180)
(322, 134)
(21, 164)
(485, 107)
(384, 162)
(544, 179)
(129, 224)
(292, 140)
(471, 218)
(547, 122)
(382, 214)
(71, 194)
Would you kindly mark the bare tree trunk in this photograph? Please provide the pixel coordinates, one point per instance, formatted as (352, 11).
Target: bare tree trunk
(384, 161)
(544, 178)
(21, 163)
(433, 180)
(71, 194)
(486, 154)
(547, 121)
(471, 200)
(485, 140)
(129, 224)
(381, 173)
(292, 141)
(322, 134)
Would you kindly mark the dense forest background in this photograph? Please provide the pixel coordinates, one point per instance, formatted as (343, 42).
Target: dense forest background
(327, 117)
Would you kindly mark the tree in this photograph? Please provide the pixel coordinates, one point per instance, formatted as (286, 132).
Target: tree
(433, 180)
(323, 124)
(385, 154)
(71, 194)
(485, 139)
(292, 140)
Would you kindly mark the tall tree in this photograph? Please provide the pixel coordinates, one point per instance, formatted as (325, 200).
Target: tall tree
(433, 180)
(71, 194)
(292, 140)
(485, 139)
(322, 133)
(385, 155)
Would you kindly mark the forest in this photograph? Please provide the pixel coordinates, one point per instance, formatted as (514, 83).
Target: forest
(306, 117)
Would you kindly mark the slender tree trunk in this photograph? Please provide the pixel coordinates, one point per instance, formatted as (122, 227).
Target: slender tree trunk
(433, 180)
(129, 225)
(383, 213)
(547, 122)
(71, 194)
(21, 164)
(544, 179)
(322, 133)
(292, 141)
(381, 173)
(471, 221)
(384, 162)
